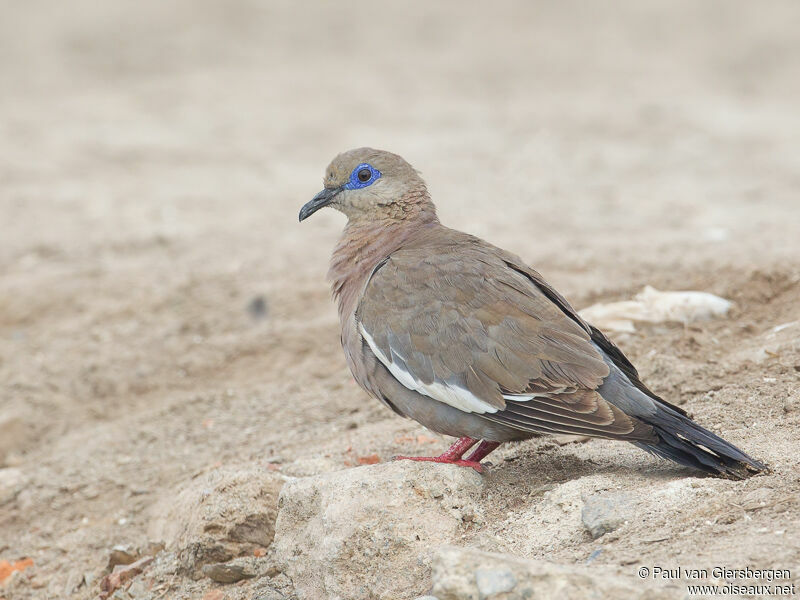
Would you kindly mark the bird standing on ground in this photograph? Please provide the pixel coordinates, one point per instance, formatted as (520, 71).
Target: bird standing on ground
(469, 341)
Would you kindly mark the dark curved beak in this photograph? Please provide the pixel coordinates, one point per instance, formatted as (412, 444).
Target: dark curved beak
(321, 200)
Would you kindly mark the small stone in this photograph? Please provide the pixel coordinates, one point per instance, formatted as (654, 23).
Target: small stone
(14, 435)
(11, 483)
(227, 572)
(594, 555)
(121, 575)
(153, 548)
(257, 307)
(139, 589)
(603, 513)
(272, 571)
(121, 555)
(541, 489)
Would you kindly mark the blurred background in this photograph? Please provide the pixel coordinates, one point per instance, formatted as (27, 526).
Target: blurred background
(189, 119)
(161, 310)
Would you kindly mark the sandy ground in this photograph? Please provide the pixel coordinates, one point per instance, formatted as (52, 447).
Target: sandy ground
(153, 158)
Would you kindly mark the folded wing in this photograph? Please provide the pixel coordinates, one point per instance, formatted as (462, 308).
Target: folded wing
(463, 326)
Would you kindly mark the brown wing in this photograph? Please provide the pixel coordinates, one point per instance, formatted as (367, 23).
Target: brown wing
(458, 323)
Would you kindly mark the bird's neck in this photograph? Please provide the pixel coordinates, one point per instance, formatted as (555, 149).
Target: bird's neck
(363, 245)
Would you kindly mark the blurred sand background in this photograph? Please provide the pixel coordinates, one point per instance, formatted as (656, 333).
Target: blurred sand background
(154, 156)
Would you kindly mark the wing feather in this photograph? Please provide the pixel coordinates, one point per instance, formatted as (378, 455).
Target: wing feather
(463, 325)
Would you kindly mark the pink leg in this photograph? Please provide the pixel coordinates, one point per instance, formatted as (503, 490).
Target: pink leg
(482, 451)
(452, 455)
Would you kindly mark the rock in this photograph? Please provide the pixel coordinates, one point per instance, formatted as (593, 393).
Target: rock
(228, 572)
(257, 307)
(603, 513)
(121, 575)
(468, 574)
(11, 483)
(14, 435)
(368, 532)
(594, 555)
(152, 548)
(654, 306)
(220, 515)
(121, 555)
(138, 589)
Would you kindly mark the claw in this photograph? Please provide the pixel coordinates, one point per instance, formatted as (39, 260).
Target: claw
(444, 460)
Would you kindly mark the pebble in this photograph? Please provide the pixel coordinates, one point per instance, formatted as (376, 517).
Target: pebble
(121, 555)
(14, 433)
(227, 573)
(257, 307)
(11, 481)
(594, 555)
(603, 513)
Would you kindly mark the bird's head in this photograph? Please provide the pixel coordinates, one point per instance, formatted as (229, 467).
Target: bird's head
(372, 184)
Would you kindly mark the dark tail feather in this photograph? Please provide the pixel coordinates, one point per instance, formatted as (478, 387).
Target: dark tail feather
(678, 438)
(687, 443)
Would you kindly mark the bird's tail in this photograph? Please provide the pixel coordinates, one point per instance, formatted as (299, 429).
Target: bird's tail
(677, 437)
(682, 440)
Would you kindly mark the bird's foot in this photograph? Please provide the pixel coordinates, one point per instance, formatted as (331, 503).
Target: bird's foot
(445, 460)
(452, 456)
(482, 451)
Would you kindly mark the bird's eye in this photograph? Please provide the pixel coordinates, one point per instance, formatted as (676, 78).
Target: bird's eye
(362, 176)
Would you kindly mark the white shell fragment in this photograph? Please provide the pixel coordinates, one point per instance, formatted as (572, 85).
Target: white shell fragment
(654, 306)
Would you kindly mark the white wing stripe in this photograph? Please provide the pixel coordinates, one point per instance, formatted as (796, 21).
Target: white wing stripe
(453, 395)
(518, 397)
(531, 396)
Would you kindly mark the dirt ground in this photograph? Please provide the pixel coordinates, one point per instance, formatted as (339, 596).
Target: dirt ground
(163, 313)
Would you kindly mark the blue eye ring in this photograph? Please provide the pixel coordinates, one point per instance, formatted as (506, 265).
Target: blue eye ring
(362, 176)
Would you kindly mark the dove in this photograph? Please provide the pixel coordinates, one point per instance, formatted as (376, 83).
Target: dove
(468, 340)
